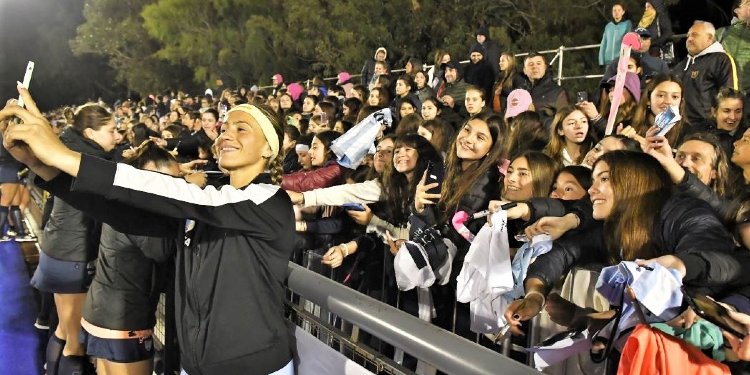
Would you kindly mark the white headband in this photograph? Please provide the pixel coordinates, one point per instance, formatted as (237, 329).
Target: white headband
(302, 148)
(265, 124)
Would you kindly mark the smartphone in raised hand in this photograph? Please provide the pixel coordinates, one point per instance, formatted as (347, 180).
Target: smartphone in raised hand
(435, 174)
(582, 96)
(26, 81)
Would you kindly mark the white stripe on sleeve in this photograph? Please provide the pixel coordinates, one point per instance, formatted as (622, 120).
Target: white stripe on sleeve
(131, 178)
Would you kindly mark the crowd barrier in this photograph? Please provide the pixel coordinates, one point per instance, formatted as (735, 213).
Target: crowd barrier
(337, 307)
(558, 58)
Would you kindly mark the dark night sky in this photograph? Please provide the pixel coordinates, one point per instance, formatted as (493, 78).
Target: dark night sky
(40, 30)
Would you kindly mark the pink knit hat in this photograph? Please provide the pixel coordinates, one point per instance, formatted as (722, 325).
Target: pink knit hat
(343, 77)
(295, 90)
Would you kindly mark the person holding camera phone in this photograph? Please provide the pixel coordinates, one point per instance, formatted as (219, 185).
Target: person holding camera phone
(471, 181)
(239, 233)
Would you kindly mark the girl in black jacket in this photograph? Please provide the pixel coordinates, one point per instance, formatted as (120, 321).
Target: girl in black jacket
(472, 179)
(233, 243)
(119, 313)
(70, 246)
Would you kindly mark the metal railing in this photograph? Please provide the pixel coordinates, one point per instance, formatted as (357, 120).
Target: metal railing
(442, 349)
(559, 58)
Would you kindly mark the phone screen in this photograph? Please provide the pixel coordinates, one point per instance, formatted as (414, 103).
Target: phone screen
(716, 314)
(26, 81)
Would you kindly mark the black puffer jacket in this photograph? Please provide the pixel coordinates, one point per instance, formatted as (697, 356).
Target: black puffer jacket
(686, 227)
(546, 95)
(693, 187)
(480, 75)
(70, 234)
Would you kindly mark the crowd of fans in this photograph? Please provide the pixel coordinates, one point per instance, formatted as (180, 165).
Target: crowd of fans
(498, 134)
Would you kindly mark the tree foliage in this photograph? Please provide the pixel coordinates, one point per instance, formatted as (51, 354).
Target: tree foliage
(115, 29)
(239, 42)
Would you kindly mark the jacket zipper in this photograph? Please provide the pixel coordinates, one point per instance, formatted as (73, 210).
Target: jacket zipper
(195, 266)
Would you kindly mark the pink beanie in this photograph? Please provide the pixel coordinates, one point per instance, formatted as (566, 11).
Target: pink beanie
(295, 90)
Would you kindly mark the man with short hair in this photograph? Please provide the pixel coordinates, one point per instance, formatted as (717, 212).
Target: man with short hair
(706, 69)
(546, 95)
(452, 92)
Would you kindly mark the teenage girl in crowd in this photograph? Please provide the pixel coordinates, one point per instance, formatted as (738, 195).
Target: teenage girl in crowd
(664, 91)
(508, 80)
(431, 108)
(232, 255)
(570, 136)
(70, 245)
(527, 132)
(327, 172)
(472, 179)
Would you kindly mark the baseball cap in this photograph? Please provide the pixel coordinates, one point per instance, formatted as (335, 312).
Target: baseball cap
(519, 100)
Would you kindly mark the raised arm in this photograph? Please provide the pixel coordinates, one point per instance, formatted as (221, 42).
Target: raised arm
(262, 210)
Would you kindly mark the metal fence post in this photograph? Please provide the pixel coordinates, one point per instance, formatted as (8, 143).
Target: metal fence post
(560, 52)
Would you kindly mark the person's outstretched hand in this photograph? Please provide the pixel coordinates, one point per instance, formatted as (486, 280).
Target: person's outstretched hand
(32, 141)
(21, 151)
(521, 310)
(334, 256)
(361, 217)
(554, 226)
(740, 346)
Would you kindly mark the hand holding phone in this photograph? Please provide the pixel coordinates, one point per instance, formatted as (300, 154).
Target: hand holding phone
(667, 119)
(715, 313)
(26, 81)
(582, 96)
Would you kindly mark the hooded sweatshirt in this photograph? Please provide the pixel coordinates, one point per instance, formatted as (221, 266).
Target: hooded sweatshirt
(611, 40)
(369, 68)
(702, 76)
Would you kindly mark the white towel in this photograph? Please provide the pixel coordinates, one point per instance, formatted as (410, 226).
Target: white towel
(352, 146)
(486, 275)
